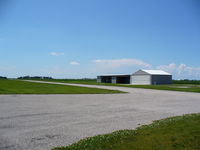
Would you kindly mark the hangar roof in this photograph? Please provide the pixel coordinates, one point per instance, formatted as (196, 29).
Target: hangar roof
(141, 72)
(154, 72)
(115, 75)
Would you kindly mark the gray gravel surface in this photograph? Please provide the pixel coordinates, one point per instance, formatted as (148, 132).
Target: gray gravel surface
(41, 122)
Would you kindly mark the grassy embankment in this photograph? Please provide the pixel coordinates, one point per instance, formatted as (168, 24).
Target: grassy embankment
(176, 133)
(23, 87)
(185, 86)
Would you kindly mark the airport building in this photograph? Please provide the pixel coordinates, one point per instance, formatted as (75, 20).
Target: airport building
(140, 77)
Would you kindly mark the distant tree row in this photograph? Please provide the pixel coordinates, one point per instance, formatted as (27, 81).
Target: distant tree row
(186, 81)
(34, 77)
(1, 77)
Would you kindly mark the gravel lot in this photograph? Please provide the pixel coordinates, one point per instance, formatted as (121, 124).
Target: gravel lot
(41, 122)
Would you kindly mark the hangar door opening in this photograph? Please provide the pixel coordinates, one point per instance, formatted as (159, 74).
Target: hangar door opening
(106, 79)
(123, 79)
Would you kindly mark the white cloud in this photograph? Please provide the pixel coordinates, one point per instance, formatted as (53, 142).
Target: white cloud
(181, 68)
(169, 68)
(74, 63)
(117, 63)
(181, 71)
(56, 53)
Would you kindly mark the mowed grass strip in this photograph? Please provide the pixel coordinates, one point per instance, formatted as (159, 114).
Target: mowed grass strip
(171, 87)
(76, 81)
(176, 133)
(23, 87)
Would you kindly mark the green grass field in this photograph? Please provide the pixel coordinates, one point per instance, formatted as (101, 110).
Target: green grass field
(176, 133)
(23, 87)
(172, 87)
(76, 81)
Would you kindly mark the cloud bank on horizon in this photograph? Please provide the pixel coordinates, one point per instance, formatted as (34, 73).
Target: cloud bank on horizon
(181, 71)
(107, 66)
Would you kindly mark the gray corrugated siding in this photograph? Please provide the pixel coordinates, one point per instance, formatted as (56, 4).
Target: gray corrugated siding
(161, 79)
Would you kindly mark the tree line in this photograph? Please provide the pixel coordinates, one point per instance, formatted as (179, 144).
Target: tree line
(34, 77)
(1, 77)
(29, 77)
(186, 81)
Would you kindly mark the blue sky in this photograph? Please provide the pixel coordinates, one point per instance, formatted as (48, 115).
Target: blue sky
(85, 38)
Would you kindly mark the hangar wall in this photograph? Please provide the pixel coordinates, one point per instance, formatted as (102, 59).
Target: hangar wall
(140, 79)
(161, 79)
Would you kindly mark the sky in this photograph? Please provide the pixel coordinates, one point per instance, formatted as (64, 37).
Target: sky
(86, 38)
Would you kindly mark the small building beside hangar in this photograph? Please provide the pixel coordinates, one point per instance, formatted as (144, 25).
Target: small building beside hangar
(140, 77)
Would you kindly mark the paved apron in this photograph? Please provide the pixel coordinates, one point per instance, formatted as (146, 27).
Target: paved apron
(41, 122)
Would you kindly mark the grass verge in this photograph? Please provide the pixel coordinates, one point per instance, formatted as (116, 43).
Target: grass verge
(23, 87)
(170, 87)
(175, 133)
